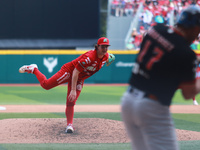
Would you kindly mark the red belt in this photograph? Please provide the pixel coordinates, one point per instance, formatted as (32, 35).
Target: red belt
(151, 96)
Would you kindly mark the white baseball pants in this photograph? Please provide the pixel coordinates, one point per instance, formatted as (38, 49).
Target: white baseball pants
(149, 124)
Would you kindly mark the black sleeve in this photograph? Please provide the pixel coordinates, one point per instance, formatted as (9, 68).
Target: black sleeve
(186, 66)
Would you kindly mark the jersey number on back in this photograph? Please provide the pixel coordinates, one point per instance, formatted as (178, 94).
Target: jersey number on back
(157, 55)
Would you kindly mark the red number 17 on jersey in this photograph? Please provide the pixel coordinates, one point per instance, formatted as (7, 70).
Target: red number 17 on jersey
(158, 53)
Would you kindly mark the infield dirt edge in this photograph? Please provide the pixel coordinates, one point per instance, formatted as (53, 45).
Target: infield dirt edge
(189, 109)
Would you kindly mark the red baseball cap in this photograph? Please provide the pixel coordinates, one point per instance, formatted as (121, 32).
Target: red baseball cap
(103, 41)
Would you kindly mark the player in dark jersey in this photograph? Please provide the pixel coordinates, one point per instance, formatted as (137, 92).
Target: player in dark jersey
(165, 63)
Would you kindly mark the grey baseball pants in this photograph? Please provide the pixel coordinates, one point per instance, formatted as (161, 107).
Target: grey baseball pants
(149, 124)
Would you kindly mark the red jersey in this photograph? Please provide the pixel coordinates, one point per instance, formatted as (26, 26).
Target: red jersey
(88, 64)
(198, 2)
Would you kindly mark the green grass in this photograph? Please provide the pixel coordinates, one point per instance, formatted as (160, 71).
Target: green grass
(112, 116)
(184, 145)
(36, 95)
(182, 121)
(98, 95)
(93, 146)
(179, 100)
(187, 121)
(189, 145)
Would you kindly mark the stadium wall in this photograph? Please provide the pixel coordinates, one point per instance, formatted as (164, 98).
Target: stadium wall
(49, 24)
(50, 61)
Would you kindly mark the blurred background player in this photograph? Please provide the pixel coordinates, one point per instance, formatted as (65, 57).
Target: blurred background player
(164, 63)
(74, 73)
(197, 77)
(195, 101)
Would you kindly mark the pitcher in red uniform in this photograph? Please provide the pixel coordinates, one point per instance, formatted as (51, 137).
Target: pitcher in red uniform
(74, 72)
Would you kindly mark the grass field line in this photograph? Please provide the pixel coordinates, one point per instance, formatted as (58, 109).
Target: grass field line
(89, 108)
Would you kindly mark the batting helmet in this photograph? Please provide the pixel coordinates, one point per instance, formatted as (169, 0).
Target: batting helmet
(190, 16)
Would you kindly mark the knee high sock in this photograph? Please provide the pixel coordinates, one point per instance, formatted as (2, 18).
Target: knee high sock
(69, 112)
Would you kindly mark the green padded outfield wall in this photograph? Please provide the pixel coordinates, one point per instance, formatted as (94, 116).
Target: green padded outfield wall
(50, 61)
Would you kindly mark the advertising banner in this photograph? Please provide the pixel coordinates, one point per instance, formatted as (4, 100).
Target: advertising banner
(49, 63)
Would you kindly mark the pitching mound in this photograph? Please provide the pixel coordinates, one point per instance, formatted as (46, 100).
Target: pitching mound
(90, 130)
(52, 131)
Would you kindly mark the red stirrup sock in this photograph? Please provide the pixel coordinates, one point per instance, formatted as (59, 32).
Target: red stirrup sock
(69, 114)
(41, 77)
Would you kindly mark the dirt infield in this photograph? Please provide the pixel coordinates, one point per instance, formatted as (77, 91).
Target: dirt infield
(87, 130)
(90, 108)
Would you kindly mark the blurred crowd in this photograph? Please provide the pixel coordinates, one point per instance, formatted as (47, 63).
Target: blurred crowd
(154, 11)
(120, 8)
